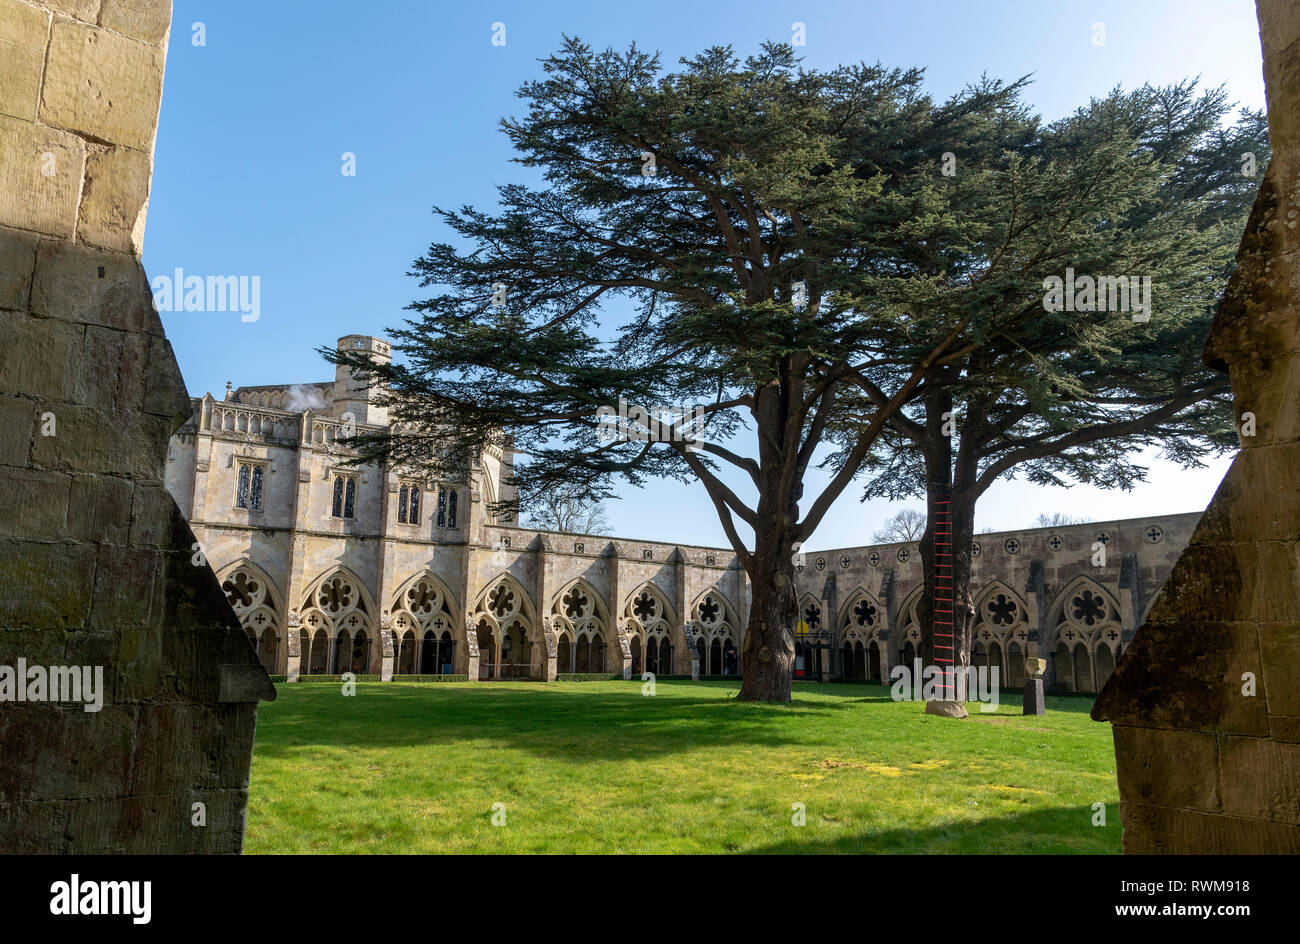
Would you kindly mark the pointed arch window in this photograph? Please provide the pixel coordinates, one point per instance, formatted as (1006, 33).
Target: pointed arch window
(408, 503)
(248, 492)
(344, 503)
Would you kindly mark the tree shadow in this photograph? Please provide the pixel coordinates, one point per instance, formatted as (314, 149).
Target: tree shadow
(573, 725)
(1052, 831)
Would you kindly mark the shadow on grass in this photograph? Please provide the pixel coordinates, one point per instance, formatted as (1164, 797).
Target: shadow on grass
(565, 723)
(1057, 830)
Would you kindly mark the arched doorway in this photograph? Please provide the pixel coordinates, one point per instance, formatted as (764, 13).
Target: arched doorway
(516, 652)
(487, 652)
(320, 653)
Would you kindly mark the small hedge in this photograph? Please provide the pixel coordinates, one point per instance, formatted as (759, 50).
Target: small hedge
(587, 677)
(431, 678)
(375, 678)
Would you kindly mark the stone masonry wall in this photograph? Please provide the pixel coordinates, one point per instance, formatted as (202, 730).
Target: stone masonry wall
(95, 557)
(1205, 705)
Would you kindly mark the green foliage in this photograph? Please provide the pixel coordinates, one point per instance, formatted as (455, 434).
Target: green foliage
(768, 176)
(1143, 183)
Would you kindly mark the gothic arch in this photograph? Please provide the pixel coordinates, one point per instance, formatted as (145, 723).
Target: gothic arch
(1085, 635)
(907, 643)
(580, 618)
(1000, 634)
(338, 604)
(253, 596)
(813, 612)
(508, 630)
(428, 637)
(861, 615)
(650, 618)
(718, 637)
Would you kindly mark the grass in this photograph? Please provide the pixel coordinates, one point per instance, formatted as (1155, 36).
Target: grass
(596, 767)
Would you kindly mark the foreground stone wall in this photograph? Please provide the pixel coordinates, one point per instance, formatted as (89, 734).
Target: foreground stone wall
(96, 559)
(1206, 705)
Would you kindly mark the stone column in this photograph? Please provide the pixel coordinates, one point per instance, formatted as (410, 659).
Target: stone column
(471, 648)
(1204, 703)
(689, 629)
(293, 643)
(98, 561)
(385, 647)
(625, 648)
(550, 669)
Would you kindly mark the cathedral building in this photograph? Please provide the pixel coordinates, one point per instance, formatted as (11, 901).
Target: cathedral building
(334, 567)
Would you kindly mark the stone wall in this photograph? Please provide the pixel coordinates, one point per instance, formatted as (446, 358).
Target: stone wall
(96, 559)
(321, 594)
(1206, 704)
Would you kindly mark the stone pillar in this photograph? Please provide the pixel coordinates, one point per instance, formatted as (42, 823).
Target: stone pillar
(625, 648)
(688, 630)
(293, 643)
(385, 647)
(97, 560)
(471, 648)
(1205, 704)
(550, 669)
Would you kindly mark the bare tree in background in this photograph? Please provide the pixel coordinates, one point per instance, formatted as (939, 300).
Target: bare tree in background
(569, 510)
(1058, 520)
(907, 525)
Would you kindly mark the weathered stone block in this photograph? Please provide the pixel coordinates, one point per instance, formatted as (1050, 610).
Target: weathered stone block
(166, 395)
(91, 286)
(94, 440)
(145, 20)
(1261, 779)
(151, 516)
(51, 584)
(1151, 765)
(62, 752)
(23, 33)
(35, 503)
(16, 426)
(1188, 675)
(85, 10)
(17, 262)
(1279, 646)
(1237, 578)
(1258, 473)
(123, 587)
(37, 358)
(40, 177)
(1158, 830)
(102, 84)
(99, 509)
(112, 368)
(114, 198)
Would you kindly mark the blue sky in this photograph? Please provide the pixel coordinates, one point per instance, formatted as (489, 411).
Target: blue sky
(248, 180)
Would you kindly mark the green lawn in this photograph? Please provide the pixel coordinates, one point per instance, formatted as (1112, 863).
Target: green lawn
(598, 767)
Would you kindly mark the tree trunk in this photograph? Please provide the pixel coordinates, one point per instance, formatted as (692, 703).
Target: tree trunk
(963, 609)
(767, 660)
(945, 612)
(935, 552)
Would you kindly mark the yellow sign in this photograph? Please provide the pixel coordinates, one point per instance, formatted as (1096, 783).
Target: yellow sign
(801, 629)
